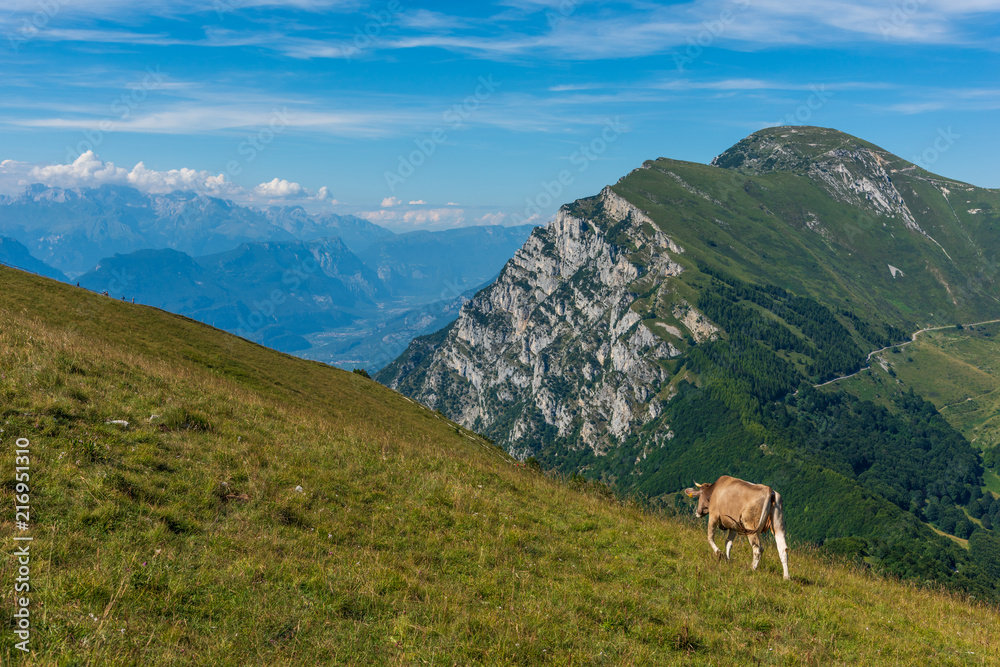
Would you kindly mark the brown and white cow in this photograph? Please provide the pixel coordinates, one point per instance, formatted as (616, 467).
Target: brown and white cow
(742, 508)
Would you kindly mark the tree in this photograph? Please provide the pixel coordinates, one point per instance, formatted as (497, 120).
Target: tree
(990, 457)
(984, 548)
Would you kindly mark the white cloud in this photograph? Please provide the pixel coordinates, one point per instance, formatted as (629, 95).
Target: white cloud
(435, 218)
(279, 188)
(323, 194)
(88, 170)
(390, 202)
(491, 219)
(149, 180)
(417, 202)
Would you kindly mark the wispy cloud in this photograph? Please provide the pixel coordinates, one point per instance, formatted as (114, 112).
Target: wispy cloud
(650, 29)
(110, 8)
(185, 118)
(583, 31)
(941, 99)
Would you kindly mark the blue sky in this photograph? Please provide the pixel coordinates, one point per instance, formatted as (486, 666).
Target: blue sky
(429, 115)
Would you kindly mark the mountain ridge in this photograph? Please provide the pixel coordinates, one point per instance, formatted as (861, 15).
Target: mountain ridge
(13, 253)
(685, 286)
(74, 228)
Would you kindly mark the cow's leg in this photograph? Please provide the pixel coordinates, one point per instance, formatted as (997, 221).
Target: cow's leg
(754, 540)
(729, 542)
(778, 524)
(711, 539)
(779, 541)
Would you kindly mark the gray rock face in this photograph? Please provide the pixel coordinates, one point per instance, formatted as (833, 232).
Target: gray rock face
(574, 350)
(554, 348)
(858, 174)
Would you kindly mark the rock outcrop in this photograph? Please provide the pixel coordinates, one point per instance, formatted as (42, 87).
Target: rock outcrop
(555, 349)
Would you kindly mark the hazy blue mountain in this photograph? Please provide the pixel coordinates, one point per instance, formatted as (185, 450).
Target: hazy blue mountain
(13, 253)
(430, 266)
(374, 341)
(166, 278)
(356, 233)
(272, 292)
(334, 287)
(316, 298)
(73, 229)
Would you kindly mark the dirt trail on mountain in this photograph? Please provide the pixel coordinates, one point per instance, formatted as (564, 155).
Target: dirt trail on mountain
(913, 337)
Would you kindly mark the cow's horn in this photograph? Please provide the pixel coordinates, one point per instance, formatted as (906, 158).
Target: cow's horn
(697, 484)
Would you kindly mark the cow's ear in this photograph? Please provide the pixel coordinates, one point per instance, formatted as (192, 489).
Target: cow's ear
(692, 493)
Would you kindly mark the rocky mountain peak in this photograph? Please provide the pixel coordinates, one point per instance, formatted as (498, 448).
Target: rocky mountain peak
(797, 149)
(851, 170)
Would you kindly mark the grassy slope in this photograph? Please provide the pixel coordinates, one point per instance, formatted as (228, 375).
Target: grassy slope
(183, 540)
(957, 370)
(759, 234)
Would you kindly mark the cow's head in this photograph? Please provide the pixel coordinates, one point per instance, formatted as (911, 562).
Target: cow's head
(703, 493)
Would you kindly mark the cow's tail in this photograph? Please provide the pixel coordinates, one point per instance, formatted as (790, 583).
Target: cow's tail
(766, 512)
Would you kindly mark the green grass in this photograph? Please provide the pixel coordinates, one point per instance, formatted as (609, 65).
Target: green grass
(992, 482)
(957, 370)
(184, 538)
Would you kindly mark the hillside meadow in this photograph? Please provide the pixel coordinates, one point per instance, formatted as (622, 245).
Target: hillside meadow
(957, 369)
(259, 509)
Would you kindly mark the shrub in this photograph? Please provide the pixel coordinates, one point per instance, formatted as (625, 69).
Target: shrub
(182, 419)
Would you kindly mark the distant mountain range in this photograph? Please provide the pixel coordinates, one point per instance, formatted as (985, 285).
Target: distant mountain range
(335, 288)
(73, 229)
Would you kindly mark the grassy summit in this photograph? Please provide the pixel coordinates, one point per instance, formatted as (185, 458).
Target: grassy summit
(278, 511)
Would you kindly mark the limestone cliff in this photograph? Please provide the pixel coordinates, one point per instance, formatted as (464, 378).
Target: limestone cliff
(753, 274)
(555, 346)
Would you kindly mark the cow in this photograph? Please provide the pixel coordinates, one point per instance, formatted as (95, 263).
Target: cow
(742, 508)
